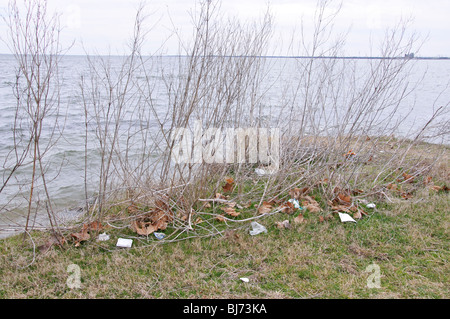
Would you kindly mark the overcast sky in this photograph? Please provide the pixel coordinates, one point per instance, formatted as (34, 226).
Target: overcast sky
(105, 25)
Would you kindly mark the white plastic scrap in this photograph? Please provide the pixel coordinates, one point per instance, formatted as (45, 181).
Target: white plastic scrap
(295, 202)
(371, 205)
(124, 243)
(159, 235)
(346, 218)
(260, 171)
(244, 279)
(103, 237)
(257, 229)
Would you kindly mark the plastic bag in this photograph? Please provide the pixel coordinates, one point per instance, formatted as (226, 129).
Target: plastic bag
(257, 229)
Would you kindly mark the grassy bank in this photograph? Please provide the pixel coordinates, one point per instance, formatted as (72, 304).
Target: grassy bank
(407, 239)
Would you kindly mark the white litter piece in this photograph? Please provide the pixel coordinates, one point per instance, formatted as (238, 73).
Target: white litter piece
(295, 202)
(244, 279)
(159, 235)
(346, 218)
(260, 172)
(257, 229)
(124, 243)
(371, 205)
(103, 237)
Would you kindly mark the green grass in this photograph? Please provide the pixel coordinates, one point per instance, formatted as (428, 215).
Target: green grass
(409, 242)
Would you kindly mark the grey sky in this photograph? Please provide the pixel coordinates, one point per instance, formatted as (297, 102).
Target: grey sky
(105, 25)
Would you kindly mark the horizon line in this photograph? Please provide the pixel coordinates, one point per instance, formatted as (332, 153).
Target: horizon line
(272, 56)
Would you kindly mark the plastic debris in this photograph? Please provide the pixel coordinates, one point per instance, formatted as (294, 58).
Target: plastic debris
(257, 229)
(103, 237)
(260, 172)
(244, 279)
(346, 217)
(159, 235)
(371, 205)
(296, 203)
(266, 170)
(124, 243)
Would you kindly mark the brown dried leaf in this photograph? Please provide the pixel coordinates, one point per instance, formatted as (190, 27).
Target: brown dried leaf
(313, 208)
(198, 221)
(299, 219)
(283, 225)
(357, 191)
(83, 235)
(297, 192)
(344, 199)
(228, 187)
(427, 180)
(341, 208)
(220, 196)
(288, 208)
(391, 186)
(409, 178)
(249, 203)
(95, 225)
(220, 218)
(143, 228)
(206, 205)
(230, 211)
(321, 219)
(406, 195)
(265, 208)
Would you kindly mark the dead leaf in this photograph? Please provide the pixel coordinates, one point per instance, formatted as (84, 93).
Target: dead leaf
(154, 220)
(198, 221)
(95, 225)
(265, 208)
(406, 195)
(228, 187)
(349, 154)
(357, 191)
(344, 199)
(288, 208)
(249, 203)
(220, 218)
(283, 225)
(162, 204)
(310, 204)
(132, 209)
(357, 215)
(230, 211)
(436, 188)
(427, 180)
(391, 186)
(231, 235)
(297, 192)
(313, 208)
(143, 228)
(341, 208)
(83, 235)
(408, 178)
(299, 219)
(55, 240)
(321, 219)
(206, 205)
(220, 196)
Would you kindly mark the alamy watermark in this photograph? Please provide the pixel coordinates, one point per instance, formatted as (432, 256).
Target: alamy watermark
(374, 280)
(230, 145)
(74, 279)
